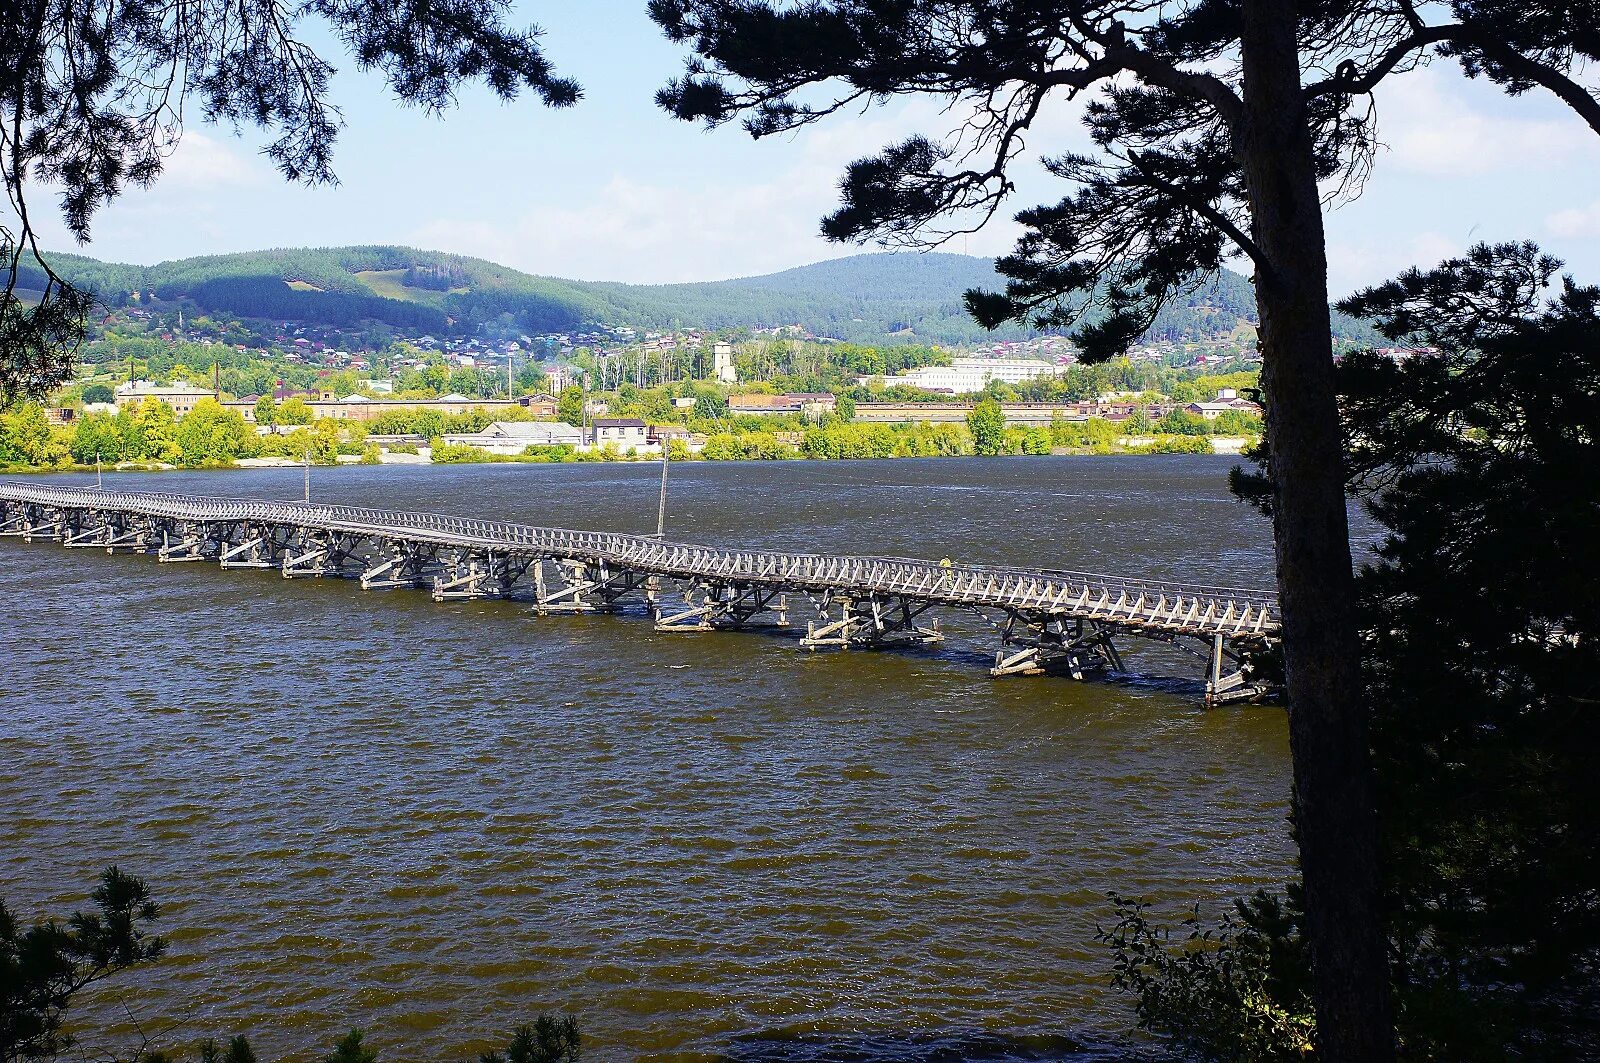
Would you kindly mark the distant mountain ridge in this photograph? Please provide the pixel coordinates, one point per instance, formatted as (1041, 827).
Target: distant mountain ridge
(867, 297)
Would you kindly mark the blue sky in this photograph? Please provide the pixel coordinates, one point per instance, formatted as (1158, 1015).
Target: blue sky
(612, 189)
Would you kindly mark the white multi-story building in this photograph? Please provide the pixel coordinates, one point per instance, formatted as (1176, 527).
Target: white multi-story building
(966, 375)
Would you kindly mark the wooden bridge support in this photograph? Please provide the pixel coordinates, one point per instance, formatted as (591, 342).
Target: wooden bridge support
(402, 563)
(472, 574)
(713, 606)
(85, 529)
(1032, 643)
(248, 544)
(1230, 677)
(188, 541)
(870, 622)
(579, 587)
(42, 522)
(319, 553)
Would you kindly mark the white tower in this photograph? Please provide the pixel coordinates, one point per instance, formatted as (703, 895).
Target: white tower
(722, 363)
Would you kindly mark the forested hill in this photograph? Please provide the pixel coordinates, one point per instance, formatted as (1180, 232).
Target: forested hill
(870, 297)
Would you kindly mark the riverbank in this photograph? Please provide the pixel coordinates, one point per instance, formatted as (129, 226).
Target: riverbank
(1129, 446)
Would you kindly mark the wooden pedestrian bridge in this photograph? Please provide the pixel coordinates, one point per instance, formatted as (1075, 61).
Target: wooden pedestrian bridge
(1047, 621)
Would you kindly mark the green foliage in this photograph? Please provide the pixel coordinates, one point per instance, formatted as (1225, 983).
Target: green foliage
(459, 454)
(921, 440)
(987, 423)
(349, 1049)
(1479, 619)
(710, 406)
(1183, 423)
(1179, 444)
(150, 431)
(1096, 432)
(745, 446)
(237, 1050)
(569, 408)
(1239, 992)
(26, 438)
(294, 411)
(1034, 440)
(266, 411)
(97, 437)
(99, 393)
(210, 435)
(44, 967)
(1236, 423)
(550, 1039)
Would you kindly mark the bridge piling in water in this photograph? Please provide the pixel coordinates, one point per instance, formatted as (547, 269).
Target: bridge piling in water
(1053, 621)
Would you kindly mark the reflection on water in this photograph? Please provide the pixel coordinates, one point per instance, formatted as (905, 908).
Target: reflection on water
(432, 821)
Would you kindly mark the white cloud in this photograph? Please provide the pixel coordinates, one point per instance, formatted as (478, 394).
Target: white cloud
(632, 228)
(1576, 222)
(1431, 126)
(639, 231)
(1358, 264)
(202, 163)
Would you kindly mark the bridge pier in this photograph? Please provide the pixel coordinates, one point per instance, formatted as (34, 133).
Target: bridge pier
(1230, 677)
(195, 541)
(408, 564)
(320, 553)
(579, 582)
(86, 529)
(723, 605)
(128, 532)
(872, 621)
(472, 574)
(250, 545)
(1050, 642)
(43, 522)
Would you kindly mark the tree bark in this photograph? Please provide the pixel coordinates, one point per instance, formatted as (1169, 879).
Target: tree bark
(1335, 819)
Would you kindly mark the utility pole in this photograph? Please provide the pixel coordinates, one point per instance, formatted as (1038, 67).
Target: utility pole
(661, 508)
(99, 479)
(583, 431)
(308, 475)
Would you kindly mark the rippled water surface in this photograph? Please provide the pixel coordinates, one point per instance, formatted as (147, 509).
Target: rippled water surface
(432, 821)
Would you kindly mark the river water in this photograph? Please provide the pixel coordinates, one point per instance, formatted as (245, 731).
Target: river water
(433, 821)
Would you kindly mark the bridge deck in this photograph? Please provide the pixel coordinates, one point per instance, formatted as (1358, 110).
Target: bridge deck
(1153, 605)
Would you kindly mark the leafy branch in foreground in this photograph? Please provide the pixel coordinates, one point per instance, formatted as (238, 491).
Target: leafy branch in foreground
(94, 95)
(43, 968)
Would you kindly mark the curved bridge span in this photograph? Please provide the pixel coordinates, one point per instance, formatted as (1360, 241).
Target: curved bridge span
(1047, 620)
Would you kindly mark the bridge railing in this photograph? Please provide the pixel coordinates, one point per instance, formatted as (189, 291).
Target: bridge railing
(1154, 602)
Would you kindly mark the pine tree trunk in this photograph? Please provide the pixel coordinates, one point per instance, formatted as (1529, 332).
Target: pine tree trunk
(1333, 797)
